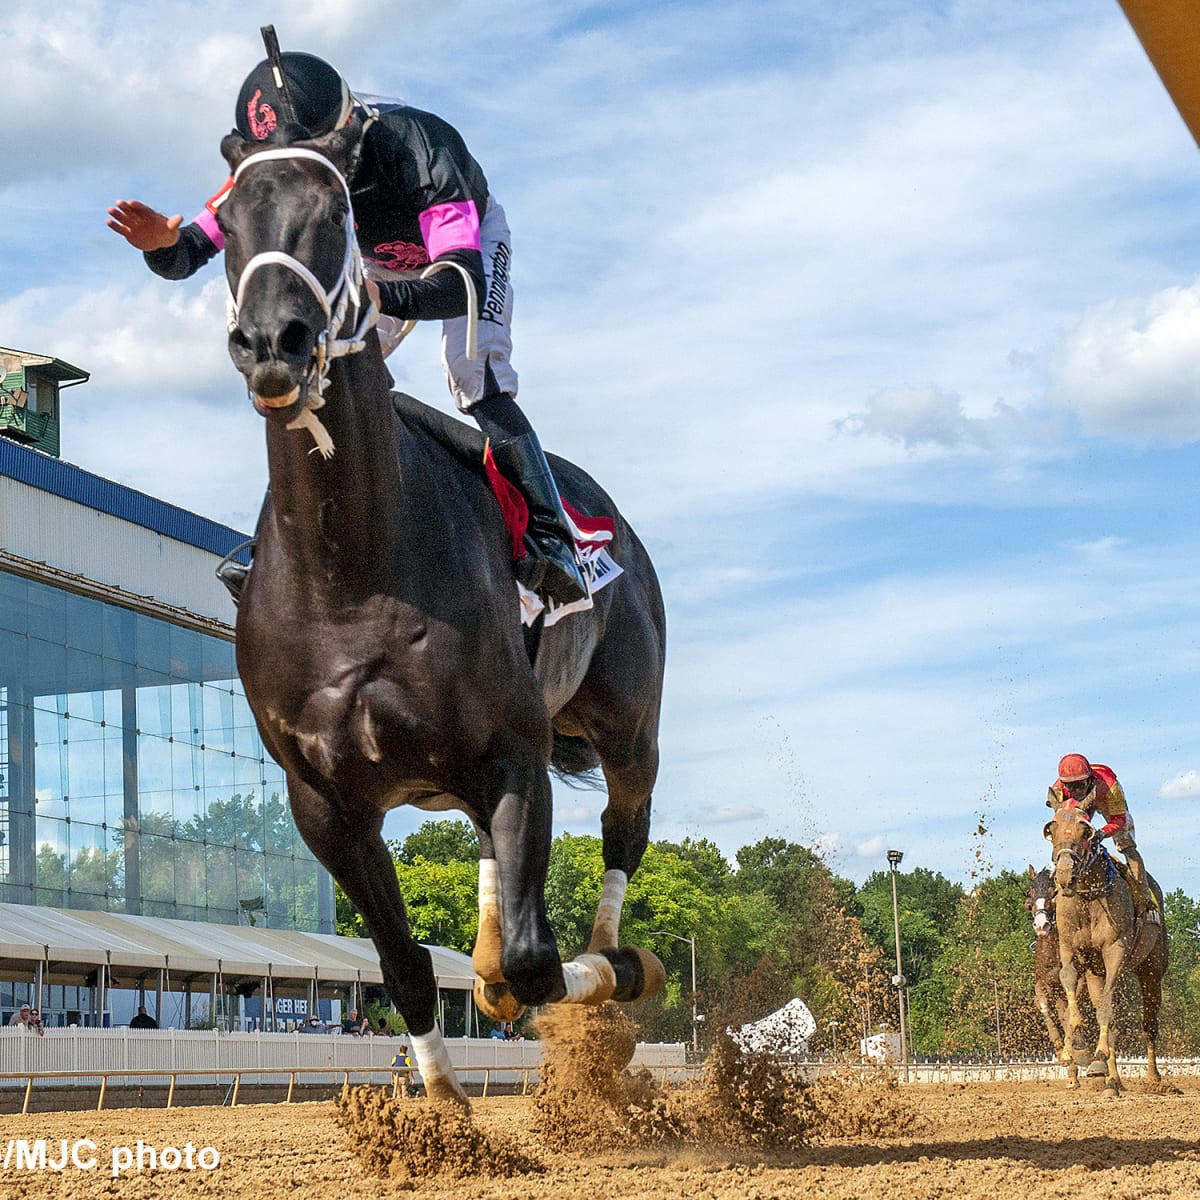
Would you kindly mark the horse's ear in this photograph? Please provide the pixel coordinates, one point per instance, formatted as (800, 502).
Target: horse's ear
(1047, 831)
(234, 148)
(342, 147)
(1032, 872)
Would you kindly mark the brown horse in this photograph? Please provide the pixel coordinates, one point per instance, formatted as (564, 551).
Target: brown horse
(1048, 995)
(378, 635)
(1097, 937)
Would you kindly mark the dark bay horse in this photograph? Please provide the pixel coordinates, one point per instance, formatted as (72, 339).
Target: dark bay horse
(1097, 938)
(378, 634)
(1048, 995)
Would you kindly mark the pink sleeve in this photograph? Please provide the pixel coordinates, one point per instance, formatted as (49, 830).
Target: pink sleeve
(208, 223)
(453, 226)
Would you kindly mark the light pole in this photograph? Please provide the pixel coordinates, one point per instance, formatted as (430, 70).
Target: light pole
(895, 857)
(691, 941)
(996, 991)
(833, 1028)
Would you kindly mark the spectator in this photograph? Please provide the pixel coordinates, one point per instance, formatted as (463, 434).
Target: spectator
(21, 1016)
(312, 1025)
(35, 1022)
(384, 1030)
(354, 1027)
(498, 1032)
(143, 1020)
(405, 1078)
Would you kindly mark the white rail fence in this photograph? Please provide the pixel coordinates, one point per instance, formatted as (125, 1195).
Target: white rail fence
(155, 1055)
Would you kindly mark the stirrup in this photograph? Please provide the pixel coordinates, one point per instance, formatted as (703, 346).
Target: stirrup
(545, 570)
(233, 573)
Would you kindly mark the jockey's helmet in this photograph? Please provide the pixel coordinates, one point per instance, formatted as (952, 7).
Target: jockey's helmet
(1074, 768)
(320, 96)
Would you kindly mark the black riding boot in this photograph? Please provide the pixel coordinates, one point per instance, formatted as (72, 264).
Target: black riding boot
(551, 567)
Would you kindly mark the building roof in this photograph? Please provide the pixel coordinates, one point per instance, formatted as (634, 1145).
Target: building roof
(71, 944)
(54, 368)
(69, 482)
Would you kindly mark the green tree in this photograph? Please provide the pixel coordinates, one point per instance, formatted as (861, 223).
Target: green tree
(927, 902)
(708, 860)
(442, 902)
(1179, 1018)
(976, 996)
(438, 842)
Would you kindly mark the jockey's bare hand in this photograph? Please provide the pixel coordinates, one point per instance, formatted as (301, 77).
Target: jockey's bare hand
(373, 292)
(142, 226)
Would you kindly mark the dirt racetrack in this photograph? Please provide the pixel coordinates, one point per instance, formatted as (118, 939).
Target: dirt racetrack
(984, 1141)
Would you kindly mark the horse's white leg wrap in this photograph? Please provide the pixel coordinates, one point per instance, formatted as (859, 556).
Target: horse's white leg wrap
(607, 925)
(489, 942)
(433, 1061)
(589, 979)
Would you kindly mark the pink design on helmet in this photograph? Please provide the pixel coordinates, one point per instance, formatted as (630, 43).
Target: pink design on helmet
(260, 116)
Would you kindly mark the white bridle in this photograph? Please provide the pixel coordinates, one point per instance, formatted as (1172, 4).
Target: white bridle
(336, 301)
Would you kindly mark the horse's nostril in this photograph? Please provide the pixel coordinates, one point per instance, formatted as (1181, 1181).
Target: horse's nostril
(239, 349)
(294, 339)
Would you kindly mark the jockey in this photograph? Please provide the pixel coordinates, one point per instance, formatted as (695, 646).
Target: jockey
(1094, 788)
(419, 197)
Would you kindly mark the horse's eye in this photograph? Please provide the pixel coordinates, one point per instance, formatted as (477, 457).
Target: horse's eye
(338, 216)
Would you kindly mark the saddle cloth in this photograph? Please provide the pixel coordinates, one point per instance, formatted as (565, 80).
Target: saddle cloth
(592, 536)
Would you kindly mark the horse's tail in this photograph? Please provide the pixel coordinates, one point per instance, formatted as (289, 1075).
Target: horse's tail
(575, 761)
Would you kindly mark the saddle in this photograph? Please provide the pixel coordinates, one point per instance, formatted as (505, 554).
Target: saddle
(592, 534)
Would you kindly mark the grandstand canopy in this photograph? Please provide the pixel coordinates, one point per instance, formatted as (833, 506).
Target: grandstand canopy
(70, 944)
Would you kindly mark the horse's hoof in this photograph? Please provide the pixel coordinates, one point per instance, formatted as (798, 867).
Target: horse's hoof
(639, 973)
(1096, 1068)
(496, 1001)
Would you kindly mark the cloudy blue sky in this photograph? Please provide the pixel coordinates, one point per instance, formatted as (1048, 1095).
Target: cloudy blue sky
(881, 321)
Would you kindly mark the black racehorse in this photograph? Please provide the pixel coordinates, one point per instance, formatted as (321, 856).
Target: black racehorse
(378, 635)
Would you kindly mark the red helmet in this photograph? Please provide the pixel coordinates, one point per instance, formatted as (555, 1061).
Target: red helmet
(1074, 768)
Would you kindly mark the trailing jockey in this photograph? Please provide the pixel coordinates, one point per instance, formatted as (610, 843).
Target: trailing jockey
(419, 198)
(1093, 787)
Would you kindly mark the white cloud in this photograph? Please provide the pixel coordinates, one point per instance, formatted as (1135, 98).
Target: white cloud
(873, 848)
(1184, 786)
(1131, 368)
(728, 814)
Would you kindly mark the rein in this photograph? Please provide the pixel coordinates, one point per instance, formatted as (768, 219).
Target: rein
(343, 300)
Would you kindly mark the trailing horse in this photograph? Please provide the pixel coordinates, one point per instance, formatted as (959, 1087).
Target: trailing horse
(1048, 995)
(1098, 938)
(378, 635)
